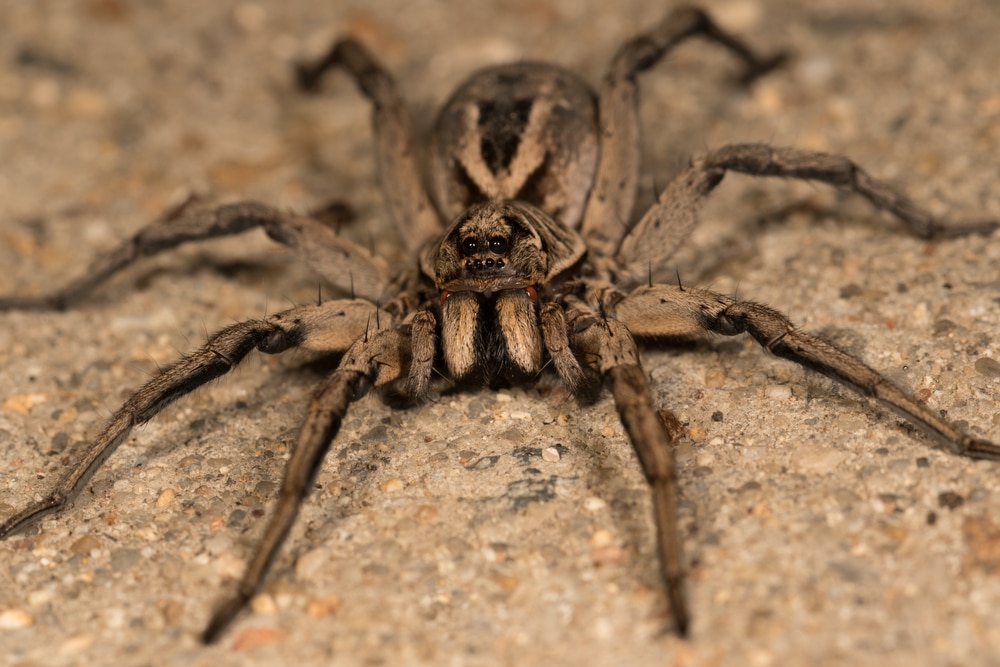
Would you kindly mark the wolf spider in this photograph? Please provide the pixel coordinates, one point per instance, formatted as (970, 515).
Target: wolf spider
(522, 259)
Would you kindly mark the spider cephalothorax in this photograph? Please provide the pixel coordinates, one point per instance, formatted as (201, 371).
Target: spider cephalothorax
(489, 267)
(527, 257)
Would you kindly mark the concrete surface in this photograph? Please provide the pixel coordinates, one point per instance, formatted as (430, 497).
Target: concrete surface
(820, 529)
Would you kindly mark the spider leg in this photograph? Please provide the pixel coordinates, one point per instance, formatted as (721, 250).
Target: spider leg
(371, 361)
(614, 191)
(663, 311)
(395, 146)
(662, 229)
(345, 264)
(329, 327)
(423, 334)
(557, 344)
(612, 350)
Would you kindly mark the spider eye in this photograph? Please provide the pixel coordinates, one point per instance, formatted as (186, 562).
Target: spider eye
(499, 245)
(469, 246)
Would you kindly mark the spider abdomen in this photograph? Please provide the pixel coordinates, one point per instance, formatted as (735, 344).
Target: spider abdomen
(525, 131)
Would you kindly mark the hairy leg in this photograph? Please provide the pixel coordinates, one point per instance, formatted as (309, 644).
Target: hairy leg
(329, 327)
(345, 264)
(609, 347)
(556, 338)
(663, 311)
(395, 145)
(609, 207)
(670, 220)
(373, 361)
(423, 334)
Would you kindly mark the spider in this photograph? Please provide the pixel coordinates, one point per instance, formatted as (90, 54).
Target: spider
(525, 255)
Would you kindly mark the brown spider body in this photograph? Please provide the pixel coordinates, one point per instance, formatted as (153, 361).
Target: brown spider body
(525, 255)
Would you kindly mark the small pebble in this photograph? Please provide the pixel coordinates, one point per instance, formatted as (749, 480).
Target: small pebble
(715, 378)
(391, 485)
(22, 403)
(68, 416)
(988, 366)
(75, 645)
(778, 392)
(228, 564)
(263, 603)
(85, 545)
(166, 497)
(323, 606)
(254, 637)
(87, 104)
(14, 619)
(895, 533)
(950, 500)
(818, 461)
(550, 454)
(113, 618)
(602, 538)
(426, 514)
(506, 581)
(172, 611)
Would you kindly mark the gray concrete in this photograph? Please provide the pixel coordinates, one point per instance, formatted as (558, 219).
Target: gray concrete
(807, 511)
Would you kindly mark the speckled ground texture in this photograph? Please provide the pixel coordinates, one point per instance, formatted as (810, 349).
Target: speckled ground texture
(819, 529)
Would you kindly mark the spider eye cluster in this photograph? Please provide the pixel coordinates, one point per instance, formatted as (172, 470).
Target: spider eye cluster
(498, 245)
(484, 254)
